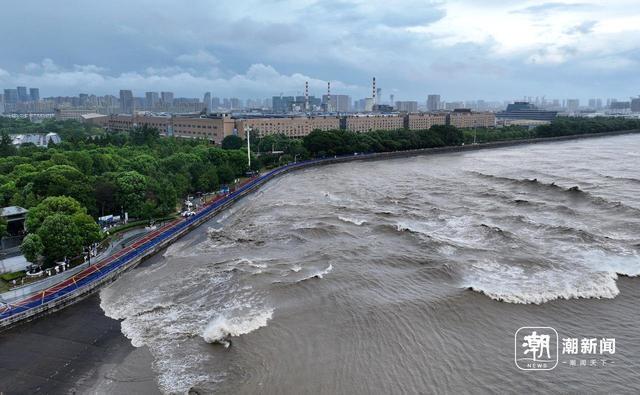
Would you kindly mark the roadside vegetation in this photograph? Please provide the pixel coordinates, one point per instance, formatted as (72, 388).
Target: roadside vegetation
(92, 173)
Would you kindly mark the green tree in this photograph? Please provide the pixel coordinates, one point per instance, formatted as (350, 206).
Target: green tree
(6, 145)
(66, 180)
(104, 189)
(232, 142)
(61, 237)
(131, 188)
(88, 228)
(32, 248)
(208, 180)
(225, 173)
(144, 135)
(7, 191)
(63, 205)
(3, 226)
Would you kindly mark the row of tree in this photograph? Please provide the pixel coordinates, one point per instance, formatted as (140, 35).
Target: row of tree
(136, 172)
(338, 142)
(92, 173)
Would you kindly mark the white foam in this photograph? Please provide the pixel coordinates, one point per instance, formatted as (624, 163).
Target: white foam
(221, 327)
(252, 263)
(516, 285)
(355, 221)
(212, 230)
(319, 274)
(403, 226)
(324, 272)
(626, 263)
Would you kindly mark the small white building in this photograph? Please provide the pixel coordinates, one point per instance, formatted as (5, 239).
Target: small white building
(40, 140)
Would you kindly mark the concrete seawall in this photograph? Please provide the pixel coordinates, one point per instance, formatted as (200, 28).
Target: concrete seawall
(108, 270)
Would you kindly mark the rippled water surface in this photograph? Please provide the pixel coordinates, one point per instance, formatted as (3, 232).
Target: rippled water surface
(402, 276)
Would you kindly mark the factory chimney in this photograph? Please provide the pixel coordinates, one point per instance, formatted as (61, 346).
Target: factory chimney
(328, 96)
(374, 91)
(306, 95)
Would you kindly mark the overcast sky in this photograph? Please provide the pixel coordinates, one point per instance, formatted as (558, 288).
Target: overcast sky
(465, 49)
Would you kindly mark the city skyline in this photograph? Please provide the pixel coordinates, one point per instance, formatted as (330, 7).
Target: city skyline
(20, 94)
(460, 49)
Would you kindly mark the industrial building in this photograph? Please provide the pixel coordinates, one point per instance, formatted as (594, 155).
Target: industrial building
(464, 118)
(526, 111)
(216, 127)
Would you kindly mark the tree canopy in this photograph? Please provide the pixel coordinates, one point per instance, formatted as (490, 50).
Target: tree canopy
(232, 142)
(62, 227)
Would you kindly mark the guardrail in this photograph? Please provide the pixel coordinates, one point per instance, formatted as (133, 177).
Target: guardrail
(85, 282)
(92, 278)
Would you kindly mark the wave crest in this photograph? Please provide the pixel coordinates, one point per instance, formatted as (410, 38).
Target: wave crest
(221, 328)
(545, 286)
(355, 221)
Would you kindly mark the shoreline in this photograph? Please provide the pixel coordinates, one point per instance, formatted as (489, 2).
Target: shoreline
(166, 236)
(81, 350)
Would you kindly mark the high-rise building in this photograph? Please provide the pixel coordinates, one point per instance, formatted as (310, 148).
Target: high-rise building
(126, 101)
(453, 105)
(236, 104)
(207, 101)
(635, 104)
(368, 104)
(339, 103)
(10, 96)
(573, 104)
(301, 102)
(215, 103)
(433, 102)
(152, 99)
(406, 106)
(22, 94)
(282, 104)
(84, 99)
(166, 98)
(34, 94)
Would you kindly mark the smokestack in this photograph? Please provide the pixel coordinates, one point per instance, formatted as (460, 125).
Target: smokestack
(306, 95)
(374, 90)
(328, 96)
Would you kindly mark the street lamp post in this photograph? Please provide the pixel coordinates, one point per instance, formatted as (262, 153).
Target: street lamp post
(247, 132)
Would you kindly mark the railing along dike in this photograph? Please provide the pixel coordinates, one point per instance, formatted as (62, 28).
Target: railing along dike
(108, 269)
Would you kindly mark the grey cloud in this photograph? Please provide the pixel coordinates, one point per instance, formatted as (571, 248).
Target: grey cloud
(391, 14)
(583, 28)
(262, 48)
(551, 7)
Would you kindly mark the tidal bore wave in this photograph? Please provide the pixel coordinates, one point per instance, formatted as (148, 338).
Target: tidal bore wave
(327, 282)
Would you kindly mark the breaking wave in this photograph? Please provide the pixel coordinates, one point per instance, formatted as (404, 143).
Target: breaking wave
(573, 192)
(355, 221)
(545, 286)
(221, 327)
